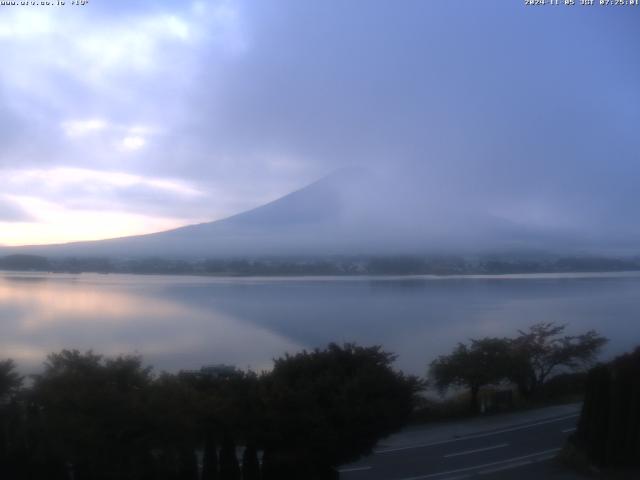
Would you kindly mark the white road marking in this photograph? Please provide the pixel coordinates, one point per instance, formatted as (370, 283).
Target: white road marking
(567, 430)
(353, 469)
(479, 435)
(517, 464)
(544, 455)
(467, 452)
(489, 471)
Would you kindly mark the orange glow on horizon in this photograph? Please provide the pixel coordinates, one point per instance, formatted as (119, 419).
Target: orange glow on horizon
(86, 226)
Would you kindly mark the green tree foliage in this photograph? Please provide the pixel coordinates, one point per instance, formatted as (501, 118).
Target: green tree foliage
(544, 349)
(92, 413)
(172, 405)
(529, 360)
(328, 407)
(89, 417)
(482, 362)
(228, 400)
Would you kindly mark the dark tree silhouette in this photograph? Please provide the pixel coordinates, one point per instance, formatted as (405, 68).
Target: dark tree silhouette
(88, 417)
(92, 413)
(171, 409)
(229, 466)
(210, 459)
(188, 464)
(12, 452)
(250, 465)
(328, 407)
(544, 349)
(609, 427)
(10, 380)
(483, 362)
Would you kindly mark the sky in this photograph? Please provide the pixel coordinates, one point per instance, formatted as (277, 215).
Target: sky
(125, 117)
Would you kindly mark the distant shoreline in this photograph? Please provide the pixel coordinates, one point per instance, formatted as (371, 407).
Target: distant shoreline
(347, 277)
(327, 266)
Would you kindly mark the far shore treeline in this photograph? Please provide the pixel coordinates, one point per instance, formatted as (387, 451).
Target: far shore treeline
(324, 265)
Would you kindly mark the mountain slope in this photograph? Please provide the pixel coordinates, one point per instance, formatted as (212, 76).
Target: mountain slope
(291, 224)
(348, 212)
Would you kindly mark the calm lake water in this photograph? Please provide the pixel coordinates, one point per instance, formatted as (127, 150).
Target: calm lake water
(186, 322)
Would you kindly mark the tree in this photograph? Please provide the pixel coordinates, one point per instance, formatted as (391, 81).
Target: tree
(10, 380)
(172, 424)
(543, 349)
(93, 413)
(97, 418)
(11, 445)
(209, 458)
(228, 401)
(328, 407)
(609, 427)
(24, 262)
(483, 362)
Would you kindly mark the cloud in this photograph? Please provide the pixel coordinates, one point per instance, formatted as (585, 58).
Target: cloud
(11, 212)
(133, 143)
(65, 185)
(76, 128)
(528, 116)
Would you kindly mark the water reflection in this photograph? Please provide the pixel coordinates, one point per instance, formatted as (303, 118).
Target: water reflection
(40, 314)
(183, 322)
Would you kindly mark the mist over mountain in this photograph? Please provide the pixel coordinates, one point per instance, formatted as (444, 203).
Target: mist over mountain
(352, 211)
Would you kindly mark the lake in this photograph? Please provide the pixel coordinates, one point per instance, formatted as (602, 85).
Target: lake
(185, 322)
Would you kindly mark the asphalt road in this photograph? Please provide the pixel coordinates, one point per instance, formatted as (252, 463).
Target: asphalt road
(521, 451)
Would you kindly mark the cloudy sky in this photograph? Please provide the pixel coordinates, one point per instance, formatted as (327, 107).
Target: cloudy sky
(124, 117)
